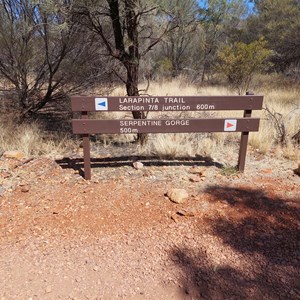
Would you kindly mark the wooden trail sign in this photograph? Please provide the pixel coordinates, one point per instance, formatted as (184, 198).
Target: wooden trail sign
(85, 127)
(189, 103)
(164, 126)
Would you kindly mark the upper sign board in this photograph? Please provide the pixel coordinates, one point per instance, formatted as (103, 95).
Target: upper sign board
(166, 103)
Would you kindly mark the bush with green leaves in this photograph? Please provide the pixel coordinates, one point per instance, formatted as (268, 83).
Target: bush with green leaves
(240, 61)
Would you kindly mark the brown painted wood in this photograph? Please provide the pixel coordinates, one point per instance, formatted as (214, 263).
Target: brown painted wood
(243, 145)
(168, 103)
(86, 151)
(127, 126)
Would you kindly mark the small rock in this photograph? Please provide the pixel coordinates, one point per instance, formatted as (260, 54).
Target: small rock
(48, 289)
(260, 244)
(267, 171)
(190, 212)
(138, 165)
(14, 154)
(95, 268)
(178, 195)
(5, 175)
(198, 170)
(195, 178)
(174, 217)
(297, 171)
(25, 189)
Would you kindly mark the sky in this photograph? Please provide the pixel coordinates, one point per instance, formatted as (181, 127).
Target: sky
(250, 4)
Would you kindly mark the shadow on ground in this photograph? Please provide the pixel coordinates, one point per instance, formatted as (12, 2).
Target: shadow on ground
(264, 234)
(121, 161)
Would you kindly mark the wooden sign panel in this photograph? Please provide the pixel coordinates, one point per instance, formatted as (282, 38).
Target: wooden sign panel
(128, 126)
(176, 103)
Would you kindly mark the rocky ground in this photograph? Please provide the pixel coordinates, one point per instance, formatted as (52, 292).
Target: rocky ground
(119, 236)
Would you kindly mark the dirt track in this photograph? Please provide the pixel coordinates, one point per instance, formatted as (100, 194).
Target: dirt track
(120, 237)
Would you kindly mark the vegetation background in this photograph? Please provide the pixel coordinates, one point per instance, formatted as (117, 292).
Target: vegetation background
(52, 49)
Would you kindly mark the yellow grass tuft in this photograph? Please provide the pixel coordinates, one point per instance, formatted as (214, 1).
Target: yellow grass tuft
(169, 146)
(33, 140)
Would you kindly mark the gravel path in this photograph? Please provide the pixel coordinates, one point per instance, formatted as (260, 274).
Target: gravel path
(120, 237)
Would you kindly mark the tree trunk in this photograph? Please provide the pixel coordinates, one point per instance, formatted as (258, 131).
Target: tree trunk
(132, 60)
(132, 90)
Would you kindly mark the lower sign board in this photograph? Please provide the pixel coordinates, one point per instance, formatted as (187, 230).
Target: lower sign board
(164, 126)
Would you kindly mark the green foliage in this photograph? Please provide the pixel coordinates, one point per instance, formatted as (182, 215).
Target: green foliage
(279, 22)
(52, 47)
(240, 61)
(229, 171)
(164, 67)
(218, 18)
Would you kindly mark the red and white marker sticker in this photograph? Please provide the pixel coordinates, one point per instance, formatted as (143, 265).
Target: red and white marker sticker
(230, 125)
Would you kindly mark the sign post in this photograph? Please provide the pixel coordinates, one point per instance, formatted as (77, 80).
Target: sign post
(244, 140)
(86, 150)
(85, 126)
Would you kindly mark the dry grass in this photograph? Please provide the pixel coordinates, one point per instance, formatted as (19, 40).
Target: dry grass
(283, 100)
(33, 140)
(168, 146)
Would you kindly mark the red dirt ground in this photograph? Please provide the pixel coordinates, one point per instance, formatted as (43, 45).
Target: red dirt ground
(120, 237)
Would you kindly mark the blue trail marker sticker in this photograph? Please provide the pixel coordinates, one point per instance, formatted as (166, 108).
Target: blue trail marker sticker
(101, 104)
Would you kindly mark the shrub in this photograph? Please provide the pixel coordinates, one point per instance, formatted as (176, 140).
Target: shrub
(240, 61)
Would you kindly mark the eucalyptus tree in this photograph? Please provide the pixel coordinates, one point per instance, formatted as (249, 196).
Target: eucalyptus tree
(279, 22)
(129, 29)
(217, 18)
(179, 44)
